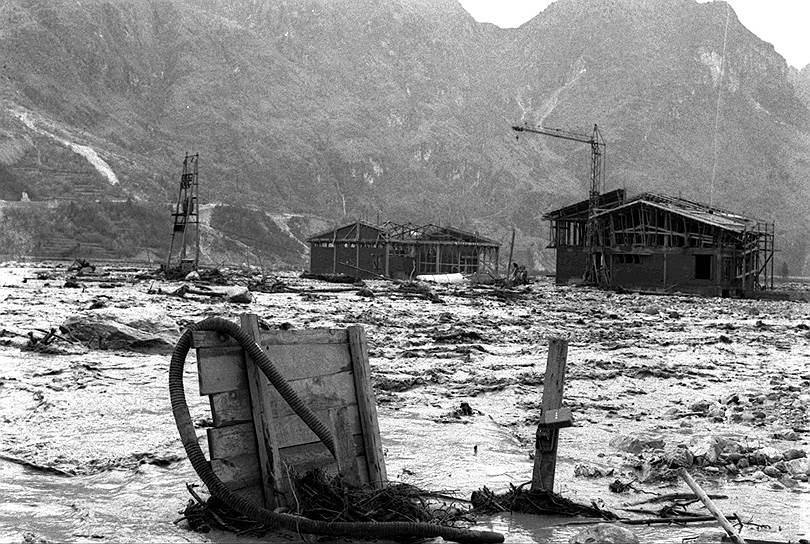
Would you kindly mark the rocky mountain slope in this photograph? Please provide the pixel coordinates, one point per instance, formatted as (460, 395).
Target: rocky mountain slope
(331, 110)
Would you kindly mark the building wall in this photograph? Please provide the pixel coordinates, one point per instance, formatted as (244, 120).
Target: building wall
(670, 269)
(570, 264)
(371, 259)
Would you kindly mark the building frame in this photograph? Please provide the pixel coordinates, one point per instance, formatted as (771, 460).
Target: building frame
(396, 250)
(661, 243)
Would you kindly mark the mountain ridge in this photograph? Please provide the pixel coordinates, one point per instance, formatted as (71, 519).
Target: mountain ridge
(402, 109)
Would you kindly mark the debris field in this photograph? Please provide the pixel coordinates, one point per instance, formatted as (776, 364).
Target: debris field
(655, 383)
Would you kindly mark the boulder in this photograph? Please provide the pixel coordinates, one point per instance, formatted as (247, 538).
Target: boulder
(794, 453)
(636, 444)
(605, 533)
(706, 450)
(679, 456)
(799, 466)
(773, 472)
(768, 454)
(133, 329)
(590, 471)
(238, 294)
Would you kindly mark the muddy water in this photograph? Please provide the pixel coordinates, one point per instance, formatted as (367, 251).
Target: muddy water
(636, 364)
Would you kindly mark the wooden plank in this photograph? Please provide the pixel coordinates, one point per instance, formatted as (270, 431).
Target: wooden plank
(261, 401)
(211, 339)
(344, 427)
(319, 392)
(296, 361)
(545, 455)
(237, 473)
(232, 441)
(221, 369)
(306, 457)
(303, 336)
(292, 431)
(230, 407)
(367, 405)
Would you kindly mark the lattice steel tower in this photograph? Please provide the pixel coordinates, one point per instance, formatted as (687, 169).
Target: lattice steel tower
(184, 254)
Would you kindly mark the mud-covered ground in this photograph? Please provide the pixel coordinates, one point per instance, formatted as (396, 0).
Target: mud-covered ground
(718, 385)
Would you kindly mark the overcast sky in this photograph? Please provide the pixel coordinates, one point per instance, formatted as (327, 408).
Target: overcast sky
(784, 23)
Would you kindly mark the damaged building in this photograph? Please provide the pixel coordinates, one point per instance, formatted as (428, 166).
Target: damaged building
(659, 243)
(395, 250)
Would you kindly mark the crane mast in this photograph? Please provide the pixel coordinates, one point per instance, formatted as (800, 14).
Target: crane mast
(594, 270)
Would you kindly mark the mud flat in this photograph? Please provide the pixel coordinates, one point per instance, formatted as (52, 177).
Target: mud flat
(89, 451)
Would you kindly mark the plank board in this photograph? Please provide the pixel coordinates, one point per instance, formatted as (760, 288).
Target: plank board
(367, 405)
(305, 457)
(319, 393)
(263, 423)
(296, 361)
(232, 441)
(239, 472)
(221, 369)
(230, 407)
(210, 339)
(291, 430)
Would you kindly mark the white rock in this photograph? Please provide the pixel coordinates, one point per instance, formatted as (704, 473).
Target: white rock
(798, 466)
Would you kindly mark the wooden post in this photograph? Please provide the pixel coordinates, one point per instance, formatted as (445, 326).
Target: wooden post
(387, 260)
(711, 507)
(553, 418)
(509, 264)
(334, 251)
(357, 246)
(263, 421)
(367, 406)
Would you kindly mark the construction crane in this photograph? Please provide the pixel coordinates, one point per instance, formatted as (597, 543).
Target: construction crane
(594, 270)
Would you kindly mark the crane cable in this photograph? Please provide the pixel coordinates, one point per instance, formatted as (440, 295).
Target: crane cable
(717, 106)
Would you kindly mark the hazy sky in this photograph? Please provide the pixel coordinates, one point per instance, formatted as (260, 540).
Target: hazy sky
(784, 23)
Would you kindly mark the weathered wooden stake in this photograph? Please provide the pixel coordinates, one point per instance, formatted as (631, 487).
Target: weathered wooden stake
(711, 507)
(552, 417)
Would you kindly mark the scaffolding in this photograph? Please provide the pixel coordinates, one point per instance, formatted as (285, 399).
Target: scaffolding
(184, 253)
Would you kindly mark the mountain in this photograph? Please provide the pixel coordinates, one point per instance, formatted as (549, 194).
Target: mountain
(801, 81)
(309, 112)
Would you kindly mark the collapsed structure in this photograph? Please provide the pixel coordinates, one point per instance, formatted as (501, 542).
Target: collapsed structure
(395, 250)
(660, 243)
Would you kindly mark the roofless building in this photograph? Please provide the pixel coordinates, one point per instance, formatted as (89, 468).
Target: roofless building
(660, 243)
(395, 250)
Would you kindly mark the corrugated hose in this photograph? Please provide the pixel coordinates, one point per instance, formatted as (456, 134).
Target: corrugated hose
(202, 466)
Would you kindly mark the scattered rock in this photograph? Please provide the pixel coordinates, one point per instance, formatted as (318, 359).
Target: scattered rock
(607, 533)
(798, 466)
(768, 454)
(794, 453)
(137, 329)
(365, 292)
(636, 444)
(589, 471)
(238, 294)
(772, 471)
(679, 456)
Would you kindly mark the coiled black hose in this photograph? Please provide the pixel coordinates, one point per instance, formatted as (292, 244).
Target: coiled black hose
(273, 519)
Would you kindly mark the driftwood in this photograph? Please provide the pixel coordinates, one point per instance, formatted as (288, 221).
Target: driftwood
(710, 506)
